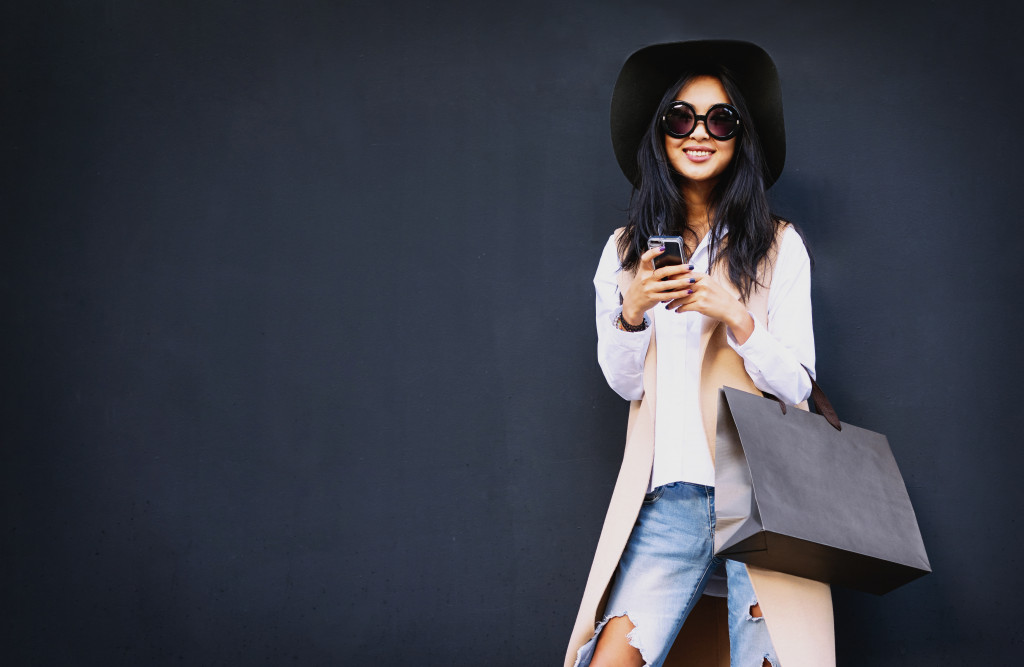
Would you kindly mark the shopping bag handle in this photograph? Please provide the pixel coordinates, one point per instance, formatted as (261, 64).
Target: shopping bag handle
(822, 405)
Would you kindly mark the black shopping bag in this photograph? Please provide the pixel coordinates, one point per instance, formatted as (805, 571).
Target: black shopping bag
(795, 494)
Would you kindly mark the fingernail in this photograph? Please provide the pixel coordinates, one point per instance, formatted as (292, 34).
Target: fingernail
(690, 267)
(661, 248)
(689, 291)
(693, 280)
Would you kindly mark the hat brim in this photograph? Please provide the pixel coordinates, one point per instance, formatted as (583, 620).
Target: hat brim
(649, 72)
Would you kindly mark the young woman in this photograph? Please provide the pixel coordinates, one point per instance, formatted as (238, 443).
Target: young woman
(697, 128)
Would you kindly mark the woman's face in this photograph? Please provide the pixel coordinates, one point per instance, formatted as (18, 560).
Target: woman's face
(699, 157)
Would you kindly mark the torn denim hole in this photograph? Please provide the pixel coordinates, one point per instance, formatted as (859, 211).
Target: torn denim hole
(633, 640)
(591, 645)
(755, 614)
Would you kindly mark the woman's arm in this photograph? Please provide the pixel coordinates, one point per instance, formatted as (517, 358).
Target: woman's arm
(620, 353)
(776, 351)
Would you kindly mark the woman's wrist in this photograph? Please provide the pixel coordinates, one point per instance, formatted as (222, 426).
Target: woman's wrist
(622, 325)
(741, 325)
(632, 317)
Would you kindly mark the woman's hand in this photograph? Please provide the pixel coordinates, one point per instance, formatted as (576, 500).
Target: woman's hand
(653, 286)
(709, 298)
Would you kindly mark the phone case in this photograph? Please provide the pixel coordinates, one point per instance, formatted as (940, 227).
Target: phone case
(673, 250)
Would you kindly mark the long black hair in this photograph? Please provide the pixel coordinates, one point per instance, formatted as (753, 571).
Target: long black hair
(738, 200)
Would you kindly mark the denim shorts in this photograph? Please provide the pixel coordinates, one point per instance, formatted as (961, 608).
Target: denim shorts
(663, 571)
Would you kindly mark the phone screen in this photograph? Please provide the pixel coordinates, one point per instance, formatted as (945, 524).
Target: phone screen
(673, 250)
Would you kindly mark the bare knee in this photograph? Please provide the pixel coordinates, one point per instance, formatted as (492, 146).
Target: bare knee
(613, 648)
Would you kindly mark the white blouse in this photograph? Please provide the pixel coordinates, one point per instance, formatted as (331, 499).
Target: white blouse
(774, 356)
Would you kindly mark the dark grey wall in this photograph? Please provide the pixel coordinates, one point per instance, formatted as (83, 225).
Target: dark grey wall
(299, 354)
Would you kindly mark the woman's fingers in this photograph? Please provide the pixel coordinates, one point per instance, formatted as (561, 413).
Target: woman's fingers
(680, 282)
(674, 304)
(672, 271)
(711, 300)
(687, 293)
(648, 257)
(658, 287)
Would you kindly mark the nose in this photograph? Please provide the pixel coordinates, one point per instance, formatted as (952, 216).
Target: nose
(700, 130)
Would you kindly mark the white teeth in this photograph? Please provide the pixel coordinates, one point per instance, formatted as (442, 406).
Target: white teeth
(699, 153)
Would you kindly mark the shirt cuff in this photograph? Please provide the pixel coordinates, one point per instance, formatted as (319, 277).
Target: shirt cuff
(758, 344)
(771, 366)
(632, 340)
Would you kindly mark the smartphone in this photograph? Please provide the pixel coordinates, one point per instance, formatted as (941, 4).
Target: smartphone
(673, 250)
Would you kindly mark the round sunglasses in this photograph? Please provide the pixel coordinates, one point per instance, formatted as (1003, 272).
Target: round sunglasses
(722, 121)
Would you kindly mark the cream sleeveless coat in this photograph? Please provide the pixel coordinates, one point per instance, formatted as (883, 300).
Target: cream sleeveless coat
(798, 611)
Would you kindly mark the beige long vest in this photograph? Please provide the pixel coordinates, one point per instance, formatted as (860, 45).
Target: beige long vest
(798, 611)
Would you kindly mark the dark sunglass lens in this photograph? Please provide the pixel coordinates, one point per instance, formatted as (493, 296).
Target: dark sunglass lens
(722, 122)
(679, 121)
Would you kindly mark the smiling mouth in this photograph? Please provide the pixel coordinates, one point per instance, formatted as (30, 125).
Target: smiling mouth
(698, 152)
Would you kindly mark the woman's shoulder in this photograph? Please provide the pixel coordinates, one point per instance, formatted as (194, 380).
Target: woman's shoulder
(789, 243)
(783, 226)
(614, 243)
(609, 264)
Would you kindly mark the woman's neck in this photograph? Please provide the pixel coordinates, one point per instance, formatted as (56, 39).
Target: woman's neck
(698, 209)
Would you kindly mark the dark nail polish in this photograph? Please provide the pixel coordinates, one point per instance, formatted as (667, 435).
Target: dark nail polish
(690, 267)
(693, 280)
(689, 291)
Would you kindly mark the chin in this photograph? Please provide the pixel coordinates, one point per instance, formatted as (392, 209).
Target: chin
(702, 176)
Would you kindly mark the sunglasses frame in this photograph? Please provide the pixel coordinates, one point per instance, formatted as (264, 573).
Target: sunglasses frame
(700, 119)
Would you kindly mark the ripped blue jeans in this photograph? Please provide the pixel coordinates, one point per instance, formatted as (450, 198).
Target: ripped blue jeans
(663, 571)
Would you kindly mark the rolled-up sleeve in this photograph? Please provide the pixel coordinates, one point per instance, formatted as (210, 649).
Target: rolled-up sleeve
(778, 350)
(620, 353)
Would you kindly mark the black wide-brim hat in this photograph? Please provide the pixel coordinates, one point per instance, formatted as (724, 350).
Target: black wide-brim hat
(648, 73)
